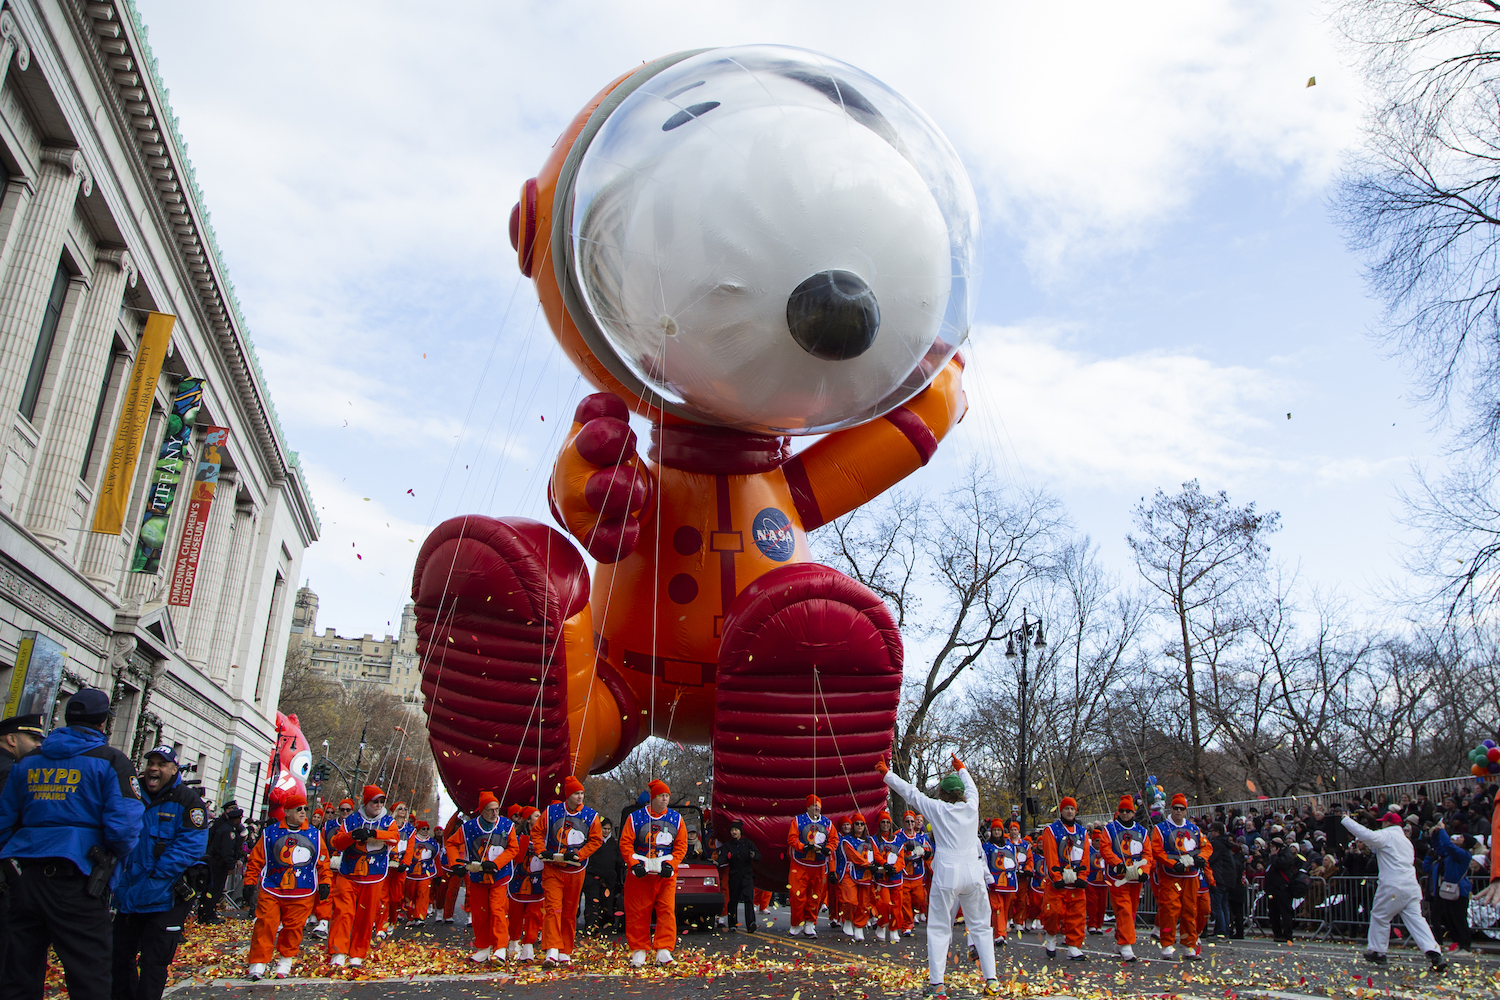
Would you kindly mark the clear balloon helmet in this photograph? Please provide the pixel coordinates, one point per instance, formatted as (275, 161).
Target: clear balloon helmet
(768, 239)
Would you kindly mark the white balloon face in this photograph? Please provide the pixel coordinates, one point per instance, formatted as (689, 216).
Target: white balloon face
(719, 203)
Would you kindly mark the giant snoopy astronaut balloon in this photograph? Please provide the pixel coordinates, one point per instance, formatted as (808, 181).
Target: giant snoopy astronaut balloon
(739, 245)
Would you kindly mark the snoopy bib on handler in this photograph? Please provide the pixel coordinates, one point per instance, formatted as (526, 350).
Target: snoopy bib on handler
(737, 247)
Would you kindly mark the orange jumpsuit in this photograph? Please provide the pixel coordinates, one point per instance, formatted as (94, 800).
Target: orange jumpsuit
(1033, 880)
(359, 891)
(424, 865)
(526, 894)
(554, 831)
(889, 882)
(395, 881)
(288, 888)
(1127, 845)
(1205, 883)
(1065, 847)
(1000, 859)
(856, 891)
(649, 835)
(1177, 897)
(807, 880)
(474, 843)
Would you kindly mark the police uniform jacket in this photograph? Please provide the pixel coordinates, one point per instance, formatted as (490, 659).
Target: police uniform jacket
(73, 793)
(174, 835)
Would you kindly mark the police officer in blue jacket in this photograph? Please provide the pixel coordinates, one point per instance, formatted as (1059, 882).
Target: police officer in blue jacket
(149, 909)
(68, 807)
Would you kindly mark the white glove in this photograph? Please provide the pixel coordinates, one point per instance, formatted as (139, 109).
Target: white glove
(1069, 876)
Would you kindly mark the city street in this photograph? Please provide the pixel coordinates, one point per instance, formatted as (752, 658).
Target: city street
(432, 961)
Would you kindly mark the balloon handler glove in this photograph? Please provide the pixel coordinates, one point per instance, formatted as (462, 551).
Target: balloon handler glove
(638, 869)
(324, 891)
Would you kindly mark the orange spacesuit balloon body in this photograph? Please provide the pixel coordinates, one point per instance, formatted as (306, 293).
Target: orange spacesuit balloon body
(734, 246)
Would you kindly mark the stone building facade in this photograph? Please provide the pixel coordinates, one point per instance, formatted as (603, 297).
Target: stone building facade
(101, 222)
(391, 662)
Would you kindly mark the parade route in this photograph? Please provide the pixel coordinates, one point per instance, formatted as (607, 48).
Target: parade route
(431, 962)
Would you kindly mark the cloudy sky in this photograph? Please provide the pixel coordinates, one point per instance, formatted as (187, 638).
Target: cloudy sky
(1162, 282)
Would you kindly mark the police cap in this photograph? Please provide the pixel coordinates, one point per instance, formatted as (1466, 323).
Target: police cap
(22, 724)
(167, 754)
(89, 706)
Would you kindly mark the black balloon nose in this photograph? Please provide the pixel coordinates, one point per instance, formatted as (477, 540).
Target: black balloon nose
(833, 315)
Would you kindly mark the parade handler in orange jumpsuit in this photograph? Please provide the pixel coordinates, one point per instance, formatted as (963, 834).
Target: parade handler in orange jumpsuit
(485, 847)
(1000, 858)
(857, 890)
(364, 840)
(564, 836)
(424, 866)
(1180, 851)
(1066, 848)
(810, 841)
(653, 843)
(286, 885)
(1129, 860)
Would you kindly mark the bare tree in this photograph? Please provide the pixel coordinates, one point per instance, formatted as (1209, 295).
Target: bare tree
(1196, 549)
(963, 560)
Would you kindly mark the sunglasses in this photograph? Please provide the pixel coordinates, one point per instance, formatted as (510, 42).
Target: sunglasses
(377, 802)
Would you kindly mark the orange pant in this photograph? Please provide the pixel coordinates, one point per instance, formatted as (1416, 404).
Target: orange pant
(857, 901)
(487, 910)
(1000, 906)
(274, 914)
(902, 899)
(642, 895)
(525, 921)
(450, 895)
(1097, 896)
(1203, 910)
(1063, 912)
(418, 897)
(1126, 900)
(887, 905)
(808, 886)
(560, 892)
(323, 908)
(1177, 910)
(762, 899)
(917, 890)
(395, 896)
(356, 905)
(1034, 899)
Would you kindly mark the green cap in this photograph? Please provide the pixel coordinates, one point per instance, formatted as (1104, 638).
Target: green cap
(951, 783)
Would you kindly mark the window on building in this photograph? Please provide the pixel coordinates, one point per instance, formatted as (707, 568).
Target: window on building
(45, 337)
(109, 374)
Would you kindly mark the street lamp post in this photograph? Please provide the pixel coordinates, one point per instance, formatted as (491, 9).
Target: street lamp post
(1030, 634)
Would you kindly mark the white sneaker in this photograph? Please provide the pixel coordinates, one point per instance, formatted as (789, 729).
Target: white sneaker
(795, 930)
(663, 957)
(849, 928)
(356, 962)
(283, 967)
(880, 934)
(1127, 953)
(1169, 954)
(723, 920)
(564, 959)
(513, 951)
(859, 933)
(321, 928)
(638, 959)
(257, 971)
(810, 929)
(338, 960)
(482, 955)
(1074, 952)
(551, 958)
(528, 953)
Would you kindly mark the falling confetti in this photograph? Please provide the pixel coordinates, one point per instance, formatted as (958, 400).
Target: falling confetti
(1312, 81)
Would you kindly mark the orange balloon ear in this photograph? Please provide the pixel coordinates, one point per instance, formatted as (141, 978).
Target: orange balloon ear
(523, 226)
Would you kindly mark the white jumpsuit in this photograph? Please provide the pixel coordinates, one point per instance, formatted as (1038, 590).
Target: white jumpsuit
(1398, 893)
(958, 875)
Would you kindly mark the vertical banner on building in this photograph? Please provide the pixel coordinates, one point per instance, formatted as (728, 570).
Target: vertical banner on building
(38, 675)
(161, 491)
(114, 488)
(229, 776)
(200, 500)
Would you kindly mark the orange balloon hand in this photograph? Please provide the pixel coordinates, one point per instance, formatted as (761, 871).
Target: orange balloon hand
(958, 765)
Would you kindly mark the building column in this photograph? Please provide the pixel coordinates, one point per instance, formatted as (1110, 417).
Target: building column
(71, 410)
(212, 559)
(232, 594)
(12, 43)
(29, 281)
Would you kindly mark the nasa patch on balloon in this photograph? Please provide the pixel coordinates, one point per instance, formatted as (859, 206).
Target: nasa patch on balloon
(772, 531)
